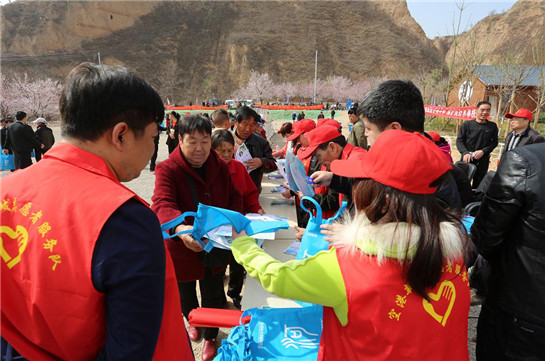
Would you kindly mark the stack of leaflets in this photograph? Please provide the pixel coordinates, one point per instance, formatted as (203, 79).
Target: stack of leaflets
(222, 238)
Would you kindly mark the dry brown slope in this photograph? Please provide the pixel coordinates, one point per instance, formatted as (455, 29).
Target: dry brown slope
(217, 44)
(504, 37)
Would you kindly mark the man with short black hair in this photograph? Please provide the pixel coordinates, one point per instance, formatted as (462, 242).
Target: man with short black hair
(4, 133)
(220, 118)
(20, 138)
(245, 132)
(85, 274)
(393, 104)
(357, 135)
(477, 139)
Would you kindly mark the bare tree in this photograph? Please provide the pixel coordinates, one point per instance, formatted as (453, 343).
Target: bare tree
(538, 59)
(510, 75)
(170, 82)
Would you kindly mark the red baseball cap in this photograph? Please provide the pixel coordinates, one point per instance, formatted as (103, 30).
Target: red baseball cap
(329, 121)
(435, 136)
(320, 135)
(521, 113)
(402, 160)
(300, 127)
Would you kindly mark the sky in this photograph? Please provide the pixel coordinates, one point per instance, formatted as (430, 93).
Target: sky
(438, 18)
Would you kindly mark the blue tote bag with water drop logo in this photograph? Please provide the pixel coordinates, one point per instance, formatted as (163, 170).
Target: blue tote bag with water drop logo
(281, 334)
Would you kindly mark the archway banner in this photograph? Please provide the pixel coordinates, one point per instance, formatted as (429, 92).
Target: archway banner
(465, 113)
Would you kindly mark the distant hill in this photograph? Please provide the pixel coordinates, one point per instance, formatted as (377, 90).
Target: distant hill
(209, 48)
(509, 37)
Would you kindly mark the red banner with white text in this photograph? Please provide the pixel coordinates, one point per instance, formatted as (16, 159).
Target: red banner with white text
(195, 107)
(290, 107)
(465, 113)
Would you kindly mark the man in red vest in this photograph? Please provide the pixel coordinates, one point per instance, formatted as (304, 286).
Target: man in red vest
(84, 271)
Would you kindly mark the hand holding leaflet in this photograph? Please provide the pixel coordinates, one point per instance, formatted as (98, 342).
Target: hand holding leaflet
(207, 218)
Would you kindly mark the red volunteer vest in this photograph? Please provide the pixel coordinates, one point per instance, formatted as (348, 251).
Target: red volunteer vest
(388, 321)
(50, 308)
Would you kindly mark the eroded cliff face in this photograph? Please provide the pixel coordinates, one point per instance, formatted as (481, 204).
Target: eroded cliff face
(509, 37)
(211, 47)
(32, 27)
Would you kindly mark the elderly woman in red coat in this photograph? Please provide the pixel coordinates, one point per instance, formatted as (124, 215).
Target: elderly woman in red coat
(192, 174)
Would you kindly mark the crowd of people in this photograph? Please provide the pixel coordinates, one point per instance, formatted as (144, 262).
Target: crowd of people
(18, 139)
(90, 262)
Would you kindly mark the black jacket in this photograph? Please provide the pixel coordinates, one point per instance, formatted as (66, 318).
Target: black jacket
(259, 147)
(477, 136)
(529, 136)
(509, 231)
(3, 137)
(21, 138)
(45, 136)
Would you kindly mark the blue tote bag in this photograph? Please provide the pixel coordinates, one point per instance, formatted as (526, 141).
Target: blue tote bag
(281, 334)
(313, 240)
(7, 161)
(208, 218)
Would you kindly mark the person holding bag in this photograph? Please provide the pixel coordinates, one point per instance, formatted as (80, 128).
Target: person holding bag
(393, 284)
(194, 174)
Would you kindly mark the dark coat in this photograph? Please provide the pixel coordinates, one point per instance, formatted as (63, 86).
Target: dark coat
(529, 136)
(259, 147)
(45, 136)
(509, 232)
(21, 138)
(172, 196)
(3, 137)
(477, 136)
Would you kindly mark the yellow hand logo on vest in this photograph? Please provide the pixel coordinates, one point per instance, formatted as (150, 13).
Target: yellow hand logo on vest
(445, 293)
(21, 236)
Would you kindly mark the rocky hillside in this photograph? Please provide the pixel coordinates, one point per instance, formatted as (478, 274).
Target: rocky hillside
(209, 48)
(511, 37)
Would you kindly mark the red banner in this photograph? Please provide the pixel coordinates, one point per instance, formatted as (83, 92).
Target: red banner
(290, 107)
(451, 112)
(195, 107)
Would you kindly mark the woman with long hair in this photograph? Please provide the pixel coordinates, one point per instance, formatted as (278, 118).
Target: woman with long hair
(393, 284)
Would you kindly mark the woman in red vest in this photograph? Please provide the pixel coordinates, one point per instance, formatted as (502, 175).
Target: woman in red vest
(393, 285)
